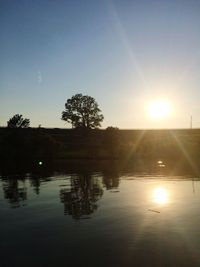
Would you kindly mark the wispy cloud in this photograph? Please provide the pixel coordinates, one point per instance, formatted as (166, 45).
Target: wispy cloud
(39, 77)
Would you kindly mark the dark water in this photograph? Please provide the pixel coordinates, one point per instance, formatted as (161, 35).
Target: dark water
(114, 216)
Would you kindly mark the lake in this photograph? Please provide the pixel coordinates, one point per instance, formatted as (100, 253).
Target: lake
(94, 214)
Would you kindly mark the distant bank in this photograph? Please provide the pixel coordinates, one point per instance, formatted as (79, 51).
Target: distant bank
(111, 143)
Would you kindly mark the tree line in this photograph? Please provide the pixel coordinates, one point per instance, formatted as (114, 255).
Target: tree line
(82, 111)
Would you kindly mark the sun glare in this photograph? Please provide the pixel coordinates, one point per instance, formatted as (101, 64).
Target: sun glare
(160, 195)
(159, 109)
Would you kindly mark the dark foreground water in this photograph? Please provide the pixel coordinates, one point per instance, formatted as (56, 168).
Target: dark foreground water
(108, 217)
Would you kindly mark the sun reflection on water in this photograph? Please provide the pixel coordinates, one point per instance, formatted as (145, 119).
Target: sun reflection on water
(160, 195)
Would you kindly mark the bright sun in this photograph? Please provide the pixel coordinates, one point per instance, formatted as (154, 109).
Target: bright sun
(159, 109)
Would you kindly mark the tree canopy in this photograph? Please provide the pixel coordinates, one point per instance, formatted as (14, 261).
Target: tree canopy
(82, 111)
(17, 121)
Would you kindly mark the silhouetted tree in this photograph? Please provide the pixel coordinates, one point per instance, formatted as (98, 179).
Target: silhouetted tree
(17, 121)
(82, 111)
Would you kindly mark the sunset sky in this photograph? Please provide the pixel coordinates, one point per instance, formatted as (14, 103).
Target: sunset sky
(125, 54)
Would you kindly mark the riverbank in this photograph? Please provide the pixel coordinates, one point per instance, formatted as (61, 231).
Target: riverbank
(112, 143)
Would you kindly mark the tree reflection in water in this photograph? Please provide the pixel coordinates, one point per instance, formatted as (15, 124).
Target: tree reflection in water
(111, 179)
(15, 192)
(81, 195)
(80, 199)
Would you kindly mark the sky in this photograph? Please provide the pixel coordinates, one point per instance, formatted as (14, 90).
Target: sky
(123, 53)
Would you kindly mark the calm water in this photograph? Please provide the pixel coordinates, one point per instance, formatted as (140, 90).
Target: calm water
(108, 217)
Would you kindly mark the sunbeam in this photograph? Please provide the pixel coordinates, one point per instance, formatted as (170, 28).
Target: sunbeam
(185, 153)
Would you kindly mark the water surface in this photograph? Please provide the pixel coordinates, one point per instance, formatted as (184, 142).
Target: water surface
(99, 218)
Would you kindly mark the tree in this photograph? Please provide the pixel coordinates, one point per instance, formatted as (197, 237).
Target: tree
(17, 121)
(82, 111)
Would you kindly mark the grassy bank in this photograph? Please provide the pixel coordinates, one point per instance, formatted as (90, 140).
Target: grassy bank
(41, 143)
